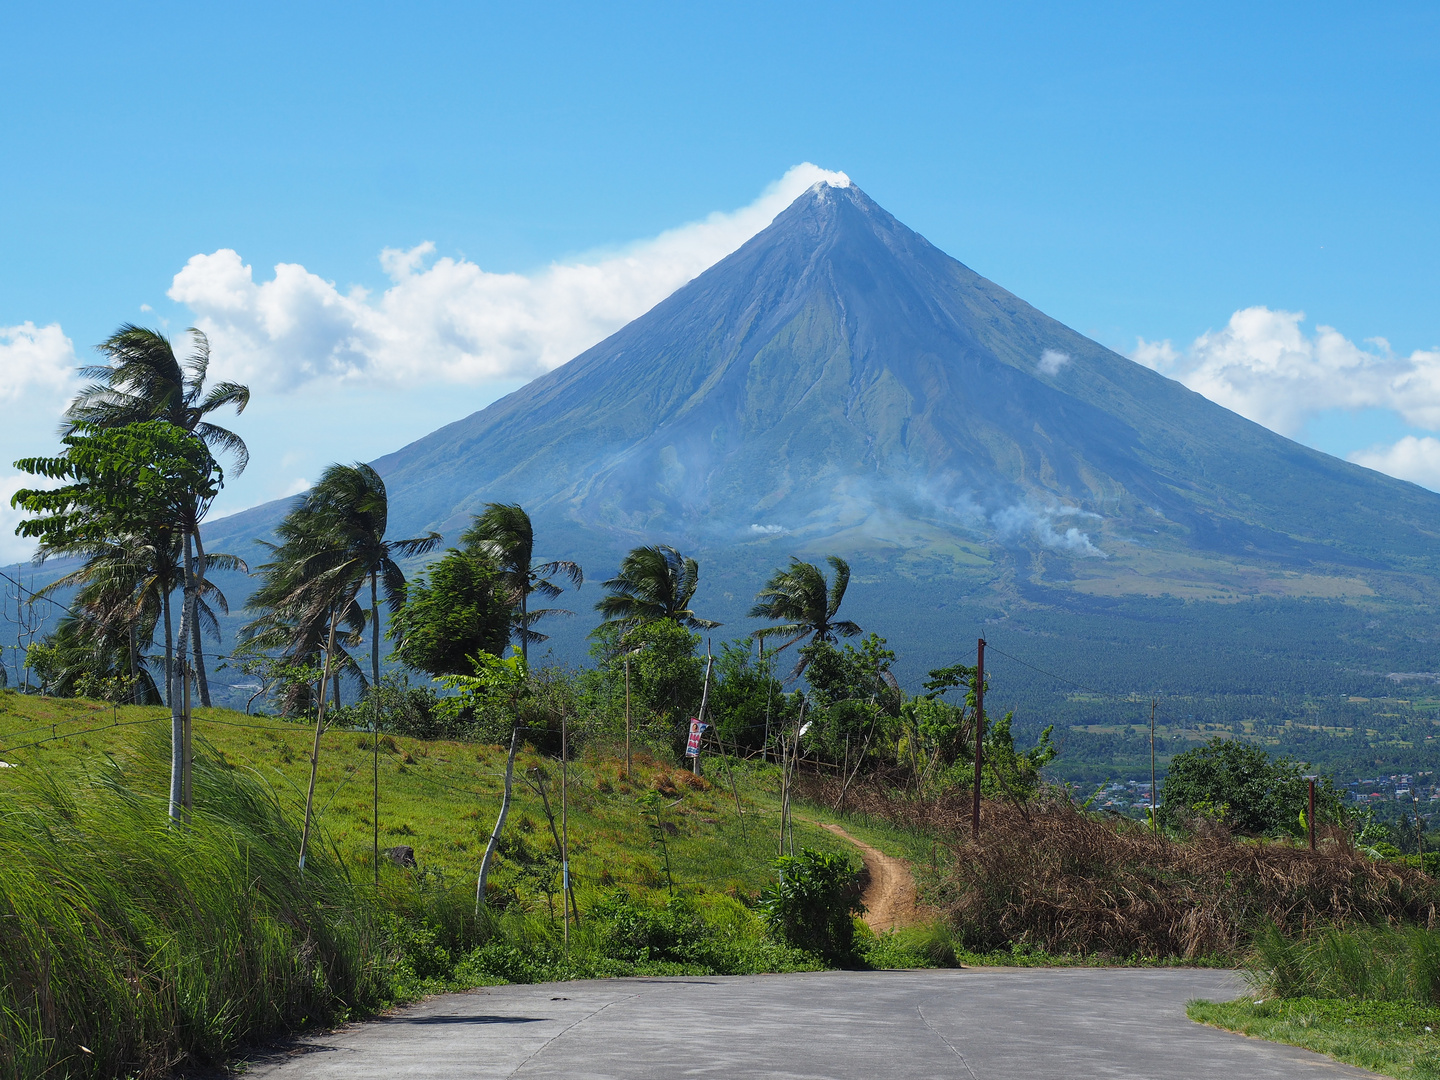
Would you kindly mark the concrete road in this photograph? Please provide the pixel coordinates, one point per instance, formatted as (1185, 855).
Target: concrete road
(975, 1024)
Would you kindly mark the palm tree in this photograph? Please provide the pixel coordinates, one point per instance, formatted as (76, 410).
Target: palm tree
(143, 380)
(331, 543)
(800, 596)
(504, 534)
(654, 583)
(125, 587)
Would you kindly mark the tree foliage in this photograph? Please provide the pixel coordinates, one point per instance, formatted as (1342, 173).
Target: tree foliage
(1240, 784)
(654, 584)
(457, 609)
(805, 604)
(504, 534)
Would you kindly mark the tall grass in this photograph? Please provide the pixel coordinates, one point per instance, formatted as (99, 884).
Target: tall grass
(128, 946)
(1376, 963)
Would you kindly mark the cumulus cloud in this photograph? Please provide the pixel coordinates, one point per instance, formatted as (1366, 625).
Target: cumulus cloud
(1264, 366)
(1413, 458)
(1051, 361)
(35, 359)
(767, 530)
(447, 319)
(1046, 524)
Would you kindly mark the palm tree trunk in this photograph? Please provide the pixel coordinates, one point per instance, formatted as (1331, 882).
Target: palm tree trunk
(169, 645)
(177, 681)
(195, 625)
(134, 681)
(375, 703)
(199, 664)
(319, 728)
(524, 625)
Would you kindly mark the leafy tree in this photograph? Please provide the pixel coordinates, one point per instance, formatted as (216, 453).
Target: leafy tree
(806, 605)
(150, 479)
(1015, 774)
(505, 534)
(850, 674)
(654, 584)
(143, 380)
(666, 677)
(746, 697)
(1242, 785)
(460, 610)
(493, 692)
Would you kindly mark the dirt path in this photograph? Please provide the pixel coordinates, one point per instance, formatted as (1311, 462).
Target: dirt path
(889, 896)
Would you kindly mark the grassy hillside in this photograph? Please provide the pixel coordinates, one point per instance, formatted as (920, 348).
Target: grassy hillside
(441, 798)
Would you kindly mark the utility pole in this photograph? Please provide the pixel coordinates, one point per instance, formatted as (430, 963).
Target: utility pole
(1154, 821)
(979, 736)
(627, 717)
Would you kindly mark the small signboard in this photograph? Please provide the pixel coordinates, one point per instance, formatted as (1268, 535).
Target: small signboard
(692, 748)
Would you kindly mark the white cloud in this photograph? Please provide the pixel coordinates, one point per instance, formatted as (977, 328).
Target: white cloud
(1051, 361)
(1157, 355)
(295, 487)
(1413, 458)
(1265, 367)
(35, 359)
(450, 320)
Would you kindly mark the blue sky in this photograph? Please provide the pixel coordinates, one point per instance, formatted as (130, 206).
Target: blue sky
(1148, 174)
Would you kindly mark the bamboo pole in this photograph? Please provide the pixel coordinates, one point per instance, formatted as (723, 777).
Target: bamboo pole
(319, 727)
(565, 824)
(499, 823)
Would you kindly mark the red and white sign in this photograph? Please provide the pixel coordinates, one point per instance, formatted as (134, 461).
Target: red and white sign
(692, 748)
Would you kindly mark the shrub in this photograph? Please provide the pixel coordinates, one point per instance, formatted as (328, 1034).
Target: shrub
(811, 904)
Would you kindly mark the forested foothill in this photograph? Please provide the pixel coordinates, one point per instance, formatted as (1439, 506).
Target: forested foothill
(414, 798)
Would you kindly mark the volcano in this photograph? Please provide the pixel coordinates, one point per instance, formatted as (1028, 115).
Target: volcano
(839, 384)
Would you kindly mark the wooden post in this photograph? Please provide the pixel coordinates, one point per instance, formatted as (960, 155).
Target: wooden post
(1154, 821)
(979, 736)
(1310, 816)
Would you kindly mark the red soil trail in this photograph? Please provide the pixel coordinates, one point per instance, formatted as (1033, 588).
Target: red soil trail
(889, 896)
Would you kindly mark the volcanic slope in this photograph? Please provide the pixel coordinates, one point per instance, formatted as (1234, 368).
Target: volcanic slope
(840, 384)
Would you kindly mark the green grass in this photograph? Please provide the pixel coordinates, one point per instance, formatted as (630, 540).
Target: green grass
(130, 946)
(441, 798)
(1396, 1038)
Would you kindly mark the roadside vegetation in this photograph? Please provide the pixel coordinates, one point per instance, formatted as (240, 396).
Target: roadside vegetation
(1366, 995)
(408, 805)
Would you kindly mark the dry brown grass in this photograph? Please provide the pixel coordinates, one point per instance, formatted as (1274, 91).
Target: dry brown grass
(1070, 882)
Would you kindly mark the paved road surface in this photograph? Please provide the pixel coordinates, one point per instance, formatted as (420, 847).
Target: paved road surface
(975, 1024)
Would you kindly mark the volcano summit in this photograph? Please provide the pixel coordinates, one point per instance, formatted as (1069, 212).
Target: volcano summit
(839, 384)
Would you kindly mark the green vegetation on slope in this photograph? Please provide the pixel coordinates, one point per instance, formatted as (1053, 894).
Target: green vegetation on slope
(150, 944)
